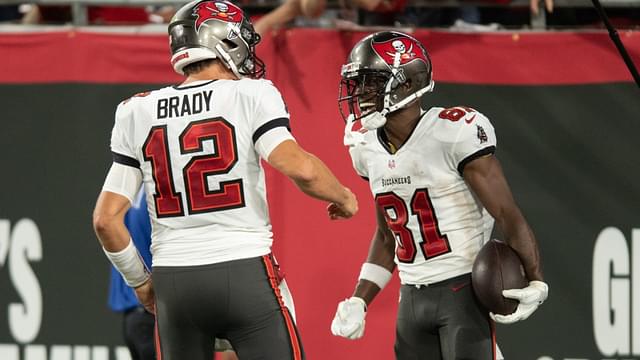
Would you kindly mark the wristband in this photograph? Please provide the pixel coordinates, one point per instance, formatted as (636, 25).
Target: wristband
(130, 265)
(376, 274)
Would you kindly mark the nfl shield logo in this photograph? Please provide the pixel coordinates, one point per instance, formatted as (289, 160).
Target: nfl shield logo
(392, 164)
(482, 136)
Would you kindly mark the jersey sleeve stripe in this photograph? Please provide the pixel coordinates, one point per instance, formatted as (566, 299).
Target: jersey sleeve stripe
(125, 160)
(482, 152)
(271, 124)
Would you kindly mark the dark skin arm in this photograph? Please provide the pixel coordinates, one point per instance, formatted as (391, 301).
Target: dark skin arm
(485, 177)
(381, 252)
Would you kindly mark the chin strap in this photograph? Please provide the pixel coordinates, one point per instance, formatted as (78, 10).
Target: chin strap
(377, 119)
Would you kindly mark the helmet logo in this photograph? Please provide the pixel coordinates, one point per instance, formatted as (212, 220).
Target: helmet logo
(399, 46)
(216, 10)
(404, 46)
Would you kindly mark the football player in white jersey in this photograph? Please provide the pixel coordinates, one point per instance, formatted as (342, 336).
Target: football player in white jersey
(196, 147)
(436, 184)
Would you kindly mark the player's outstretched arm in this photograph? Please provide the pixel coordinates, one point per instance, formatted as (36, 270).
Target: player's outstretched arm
(485, 177)
(313, 177)
(349, 320)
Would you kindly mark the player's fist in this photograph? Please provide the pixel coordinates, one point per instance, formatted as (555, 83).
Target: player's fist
(345, 209)
(146, 296)
(349, 319)
(530, 298)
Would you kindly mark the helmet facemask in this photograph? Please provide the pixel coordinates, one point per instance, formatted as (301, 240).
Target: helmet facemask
(251, 66)
(370, 95)
(362, 94)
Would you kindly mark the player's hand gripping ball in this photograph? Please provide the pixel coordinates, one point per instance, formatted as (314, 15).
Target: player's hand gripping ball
(497, 268)
(500, 284)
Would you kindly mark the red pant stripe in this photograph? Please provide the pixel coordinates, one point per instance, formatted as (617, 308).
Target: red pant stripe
(293, 336)
(156, 336)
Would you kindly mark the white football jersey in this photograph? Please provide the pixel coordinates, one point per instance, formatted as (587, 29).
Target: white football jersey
(438, 222)
(199, 148)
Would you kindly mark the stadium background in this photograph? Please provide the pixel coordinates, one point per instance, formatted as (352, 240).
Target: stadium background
(566, 113)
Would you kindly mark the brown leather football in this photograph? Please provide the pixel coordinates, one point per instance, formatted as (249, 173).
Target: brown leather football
(497, 267)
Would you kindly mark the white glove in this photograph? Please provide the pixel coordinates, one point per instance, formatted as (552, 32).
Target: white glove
(530, 298)
(349, 319)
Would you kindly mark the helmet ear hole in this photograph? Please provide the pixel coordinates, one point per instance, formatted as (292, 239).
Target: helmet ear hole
(229, 44)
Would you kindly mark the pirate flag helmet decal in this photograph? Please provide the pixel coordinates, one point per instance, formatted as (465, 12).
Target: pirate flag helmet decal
(217, 10)
(408, 48)
(210, 29)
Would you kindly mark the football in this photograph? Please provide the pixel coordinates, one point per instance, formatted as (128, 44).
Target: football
(497, 267)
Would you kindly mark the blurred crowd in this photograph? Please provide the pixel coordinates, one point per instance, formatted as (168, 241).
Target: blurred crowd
(97, 15)
(268, 15)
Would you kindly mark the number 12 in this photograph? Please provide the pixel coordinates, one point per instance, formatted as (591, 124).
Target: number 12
(195, 173)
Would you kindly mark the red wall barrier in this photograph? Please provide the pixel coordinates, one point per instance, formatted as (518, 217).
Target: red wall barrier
(499, 58)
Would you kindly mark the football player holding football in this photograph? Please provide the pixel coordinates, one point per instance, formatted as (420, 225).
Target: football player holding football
(437, 187)
(196, 147)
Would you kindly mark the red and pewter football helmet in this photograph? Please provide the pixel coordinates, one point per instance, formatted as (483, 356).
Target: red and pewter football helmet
(209, 29)
(377, 66)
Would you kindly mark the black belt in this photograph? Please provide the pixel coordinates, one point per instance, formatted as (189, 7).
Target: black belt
(448, 281)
